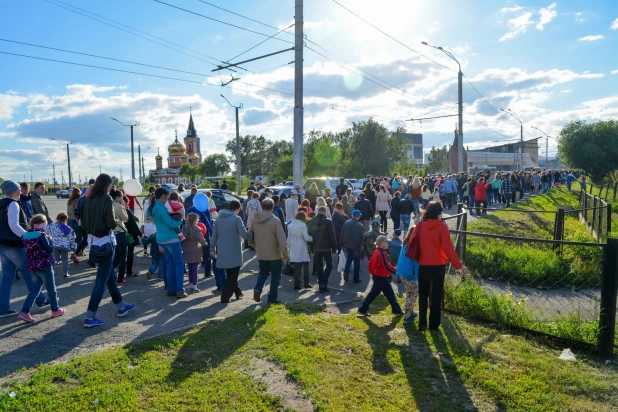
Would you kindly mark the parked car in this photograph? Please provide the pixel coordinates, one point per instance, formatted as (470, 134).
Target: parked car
(331, 182)
(222, 198)
(279, 190)
(169, 186)
(63, 194)
(356, 183)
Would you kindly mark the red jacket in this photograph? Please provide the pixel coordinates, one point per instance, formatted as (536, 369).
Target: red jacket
(436, 245)
(378, 264)
(480, 191)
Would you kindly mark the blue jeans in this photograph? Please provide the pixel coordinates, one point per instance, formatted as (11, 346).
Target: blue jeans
(77, 230)
(154, 254)
(569, 183)
(381, 285)
(175, 270)
(13, 259)
(545, 187)
(490, 196)
(415, 201)
(44, 276)
(470, 202)
(106, 276)
(353, 255)
(220, 275)
(405, 220)
(460, 194)
(163, 270)
(267, 268)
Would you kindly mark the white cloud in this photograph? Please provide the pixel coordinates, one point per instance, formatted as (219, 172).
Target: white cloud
(507, 10)
(547, 15)
(579, 17)
(518, 25)
(592, 38)
(9, 103)
(614, 71)
(614, 25)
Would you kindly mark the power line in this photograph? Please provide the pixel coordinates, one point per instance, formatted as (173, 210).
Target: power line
(333, 106)
(145, 38)
(263, 41)
(143, 74)
(240, 15)
(135, 63)
(220, 21)
(389, 36)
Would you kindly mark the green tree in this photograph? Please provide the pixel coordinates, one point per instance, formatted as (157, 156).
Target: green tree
(189, 171)
(592, 147)
(438, 160)
(373, 147)
(253, 154)
(283, 169)
(214, 165)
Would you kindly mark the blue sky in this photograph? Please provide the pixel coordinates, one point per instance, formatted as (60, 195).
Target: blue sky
(550, 62)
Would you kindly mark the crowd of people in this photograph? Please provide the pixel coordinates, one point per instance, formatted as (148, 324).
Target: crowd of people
(297, 235)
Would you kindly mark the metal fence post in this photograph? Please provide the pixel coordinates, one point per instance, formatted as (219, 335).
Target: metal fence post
(609, 219)
(559, 227)
(464, 228)
(609, 284)
(594, 213)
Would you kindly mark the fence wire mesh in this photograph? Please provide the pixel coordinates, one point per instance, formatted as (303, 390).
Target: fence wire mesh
(553, 288)
(597, 214)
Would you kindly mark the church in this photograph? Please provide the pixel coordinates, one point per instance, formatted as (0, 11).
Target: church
(178, 154)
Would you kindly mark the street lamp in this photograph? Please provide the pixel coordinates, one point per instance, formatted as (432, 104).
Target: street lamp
(521, 131)
(68, 157)
(238, 172)
(460, 156)
(132, 149)
(143, 169)
(547, 137)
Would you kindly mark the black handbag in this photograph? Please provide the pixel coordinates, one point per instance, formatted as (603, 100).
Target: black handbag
(288, 269)
(102, 253)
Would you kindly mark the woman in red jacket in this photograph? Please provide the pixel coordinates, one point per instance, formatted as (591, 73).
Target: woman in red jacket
(435, 248)
(480, 196)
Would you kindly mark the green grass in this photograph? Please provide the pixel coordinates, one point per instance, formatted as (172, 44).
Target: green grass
(341, 362)
(534, 264)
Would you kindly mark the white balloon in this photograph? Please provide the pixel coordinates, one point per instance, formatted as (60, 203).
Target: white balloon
(132, 187)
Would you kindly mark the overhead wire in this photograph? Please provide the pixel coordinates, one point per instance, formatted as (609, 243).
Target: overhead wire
(145, 74)
(262, 42)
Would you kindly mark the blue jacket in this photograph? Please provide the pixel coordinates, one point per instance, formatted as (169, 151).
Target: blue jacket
(450, 186)
(406, 267)
(394, 247)
(166, 226)
(206, 220)
(24, 202)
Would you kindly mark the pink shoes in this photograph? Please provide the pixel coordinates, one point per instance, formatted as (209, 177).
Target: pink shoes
(59, 312)
(26, 317)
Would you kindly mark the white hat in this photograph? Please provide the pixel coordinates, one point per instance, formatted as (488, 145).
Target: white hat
(294, 192)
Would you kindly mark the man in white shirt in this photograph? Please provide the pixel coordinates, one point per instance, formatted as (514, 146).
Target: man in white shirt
(291, 205)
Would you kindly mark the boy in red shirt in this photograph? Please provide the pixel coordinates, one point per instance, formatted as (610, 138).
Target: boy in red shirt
(380, 270)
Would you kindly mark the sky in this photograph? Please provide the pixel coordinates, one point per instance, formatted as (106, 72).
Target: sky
(549, 62)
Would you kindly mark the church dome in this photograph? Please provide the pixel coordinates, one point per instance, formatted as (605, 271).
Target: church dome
(184, 156)
(158, 156)
(176, 147)
(195, 156)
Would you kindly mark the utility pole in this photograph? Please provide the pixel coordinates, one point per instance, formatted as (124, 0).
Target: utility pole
(54, 169)
(238, 166)
(132, 146)
(298, 93)
(546, 151)
(460, 149)
(139, 156)
(521, 130)
(69, 164)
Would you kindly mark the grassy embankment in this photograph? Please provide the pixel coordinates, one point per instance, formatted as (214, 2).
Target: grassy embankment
(339, 362)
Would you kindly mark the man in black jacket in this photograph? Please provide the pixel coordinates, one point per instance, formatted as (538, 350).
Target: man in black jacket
(341, 188)
(324, 246)
(351, 241)
(366, 209)
(406, 208)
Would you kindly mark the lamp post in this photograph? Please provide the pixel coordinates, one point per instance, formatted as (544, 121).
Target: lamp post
(68, 157)
(132, 148)
(143, 168)
(547, 137)
(460, 156)
(521, 132)
(238, 172)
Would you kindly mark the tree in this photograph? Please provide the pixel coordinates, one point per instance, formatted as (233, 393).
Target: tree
(214, 165)
(592, 147)
(438, 160)
(373, 147)
(189, 171)
(253, 154)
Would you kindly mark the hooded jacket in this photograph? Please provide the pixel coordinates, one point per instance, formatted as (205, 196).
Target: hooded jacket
(226, 239)
(436, 245)
(166, 226)
(38, 251)
(268, 236)
(62, 236)
(193, 244)
(298, 238)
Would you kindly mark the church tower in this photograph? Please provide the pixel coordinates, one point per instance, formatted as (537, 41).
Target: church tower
(159, 160)
(192, 143)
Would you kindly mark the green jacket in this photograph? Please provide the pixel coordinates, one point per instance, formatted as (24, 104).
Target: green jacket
(369, 243)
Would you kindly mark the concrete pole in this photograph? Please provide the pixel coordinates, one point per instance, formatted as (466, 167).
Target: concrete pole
(521, 131)
(546, 152)
(460, 148)
(69, 165)
(132, 156)
(238, 171)
(298, 93)
(139, 156)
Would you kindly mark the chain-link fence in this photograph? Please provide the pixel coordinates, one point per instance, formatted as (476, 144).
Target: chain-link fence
(549, 286)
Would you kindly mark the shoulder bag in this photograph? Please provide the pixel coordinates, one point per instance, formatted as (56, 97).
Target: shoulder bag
(414, 246)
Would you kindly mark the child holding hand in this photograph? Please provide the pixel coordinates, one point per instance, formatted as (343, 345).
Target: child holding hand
(380, 270)
(192, 248)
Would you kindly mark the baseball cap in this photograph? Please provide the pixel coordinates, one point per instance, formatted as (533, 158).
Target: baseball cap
(375, 223)
(356, 213)
(397, 232)
(294, 192)
(381, 239)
